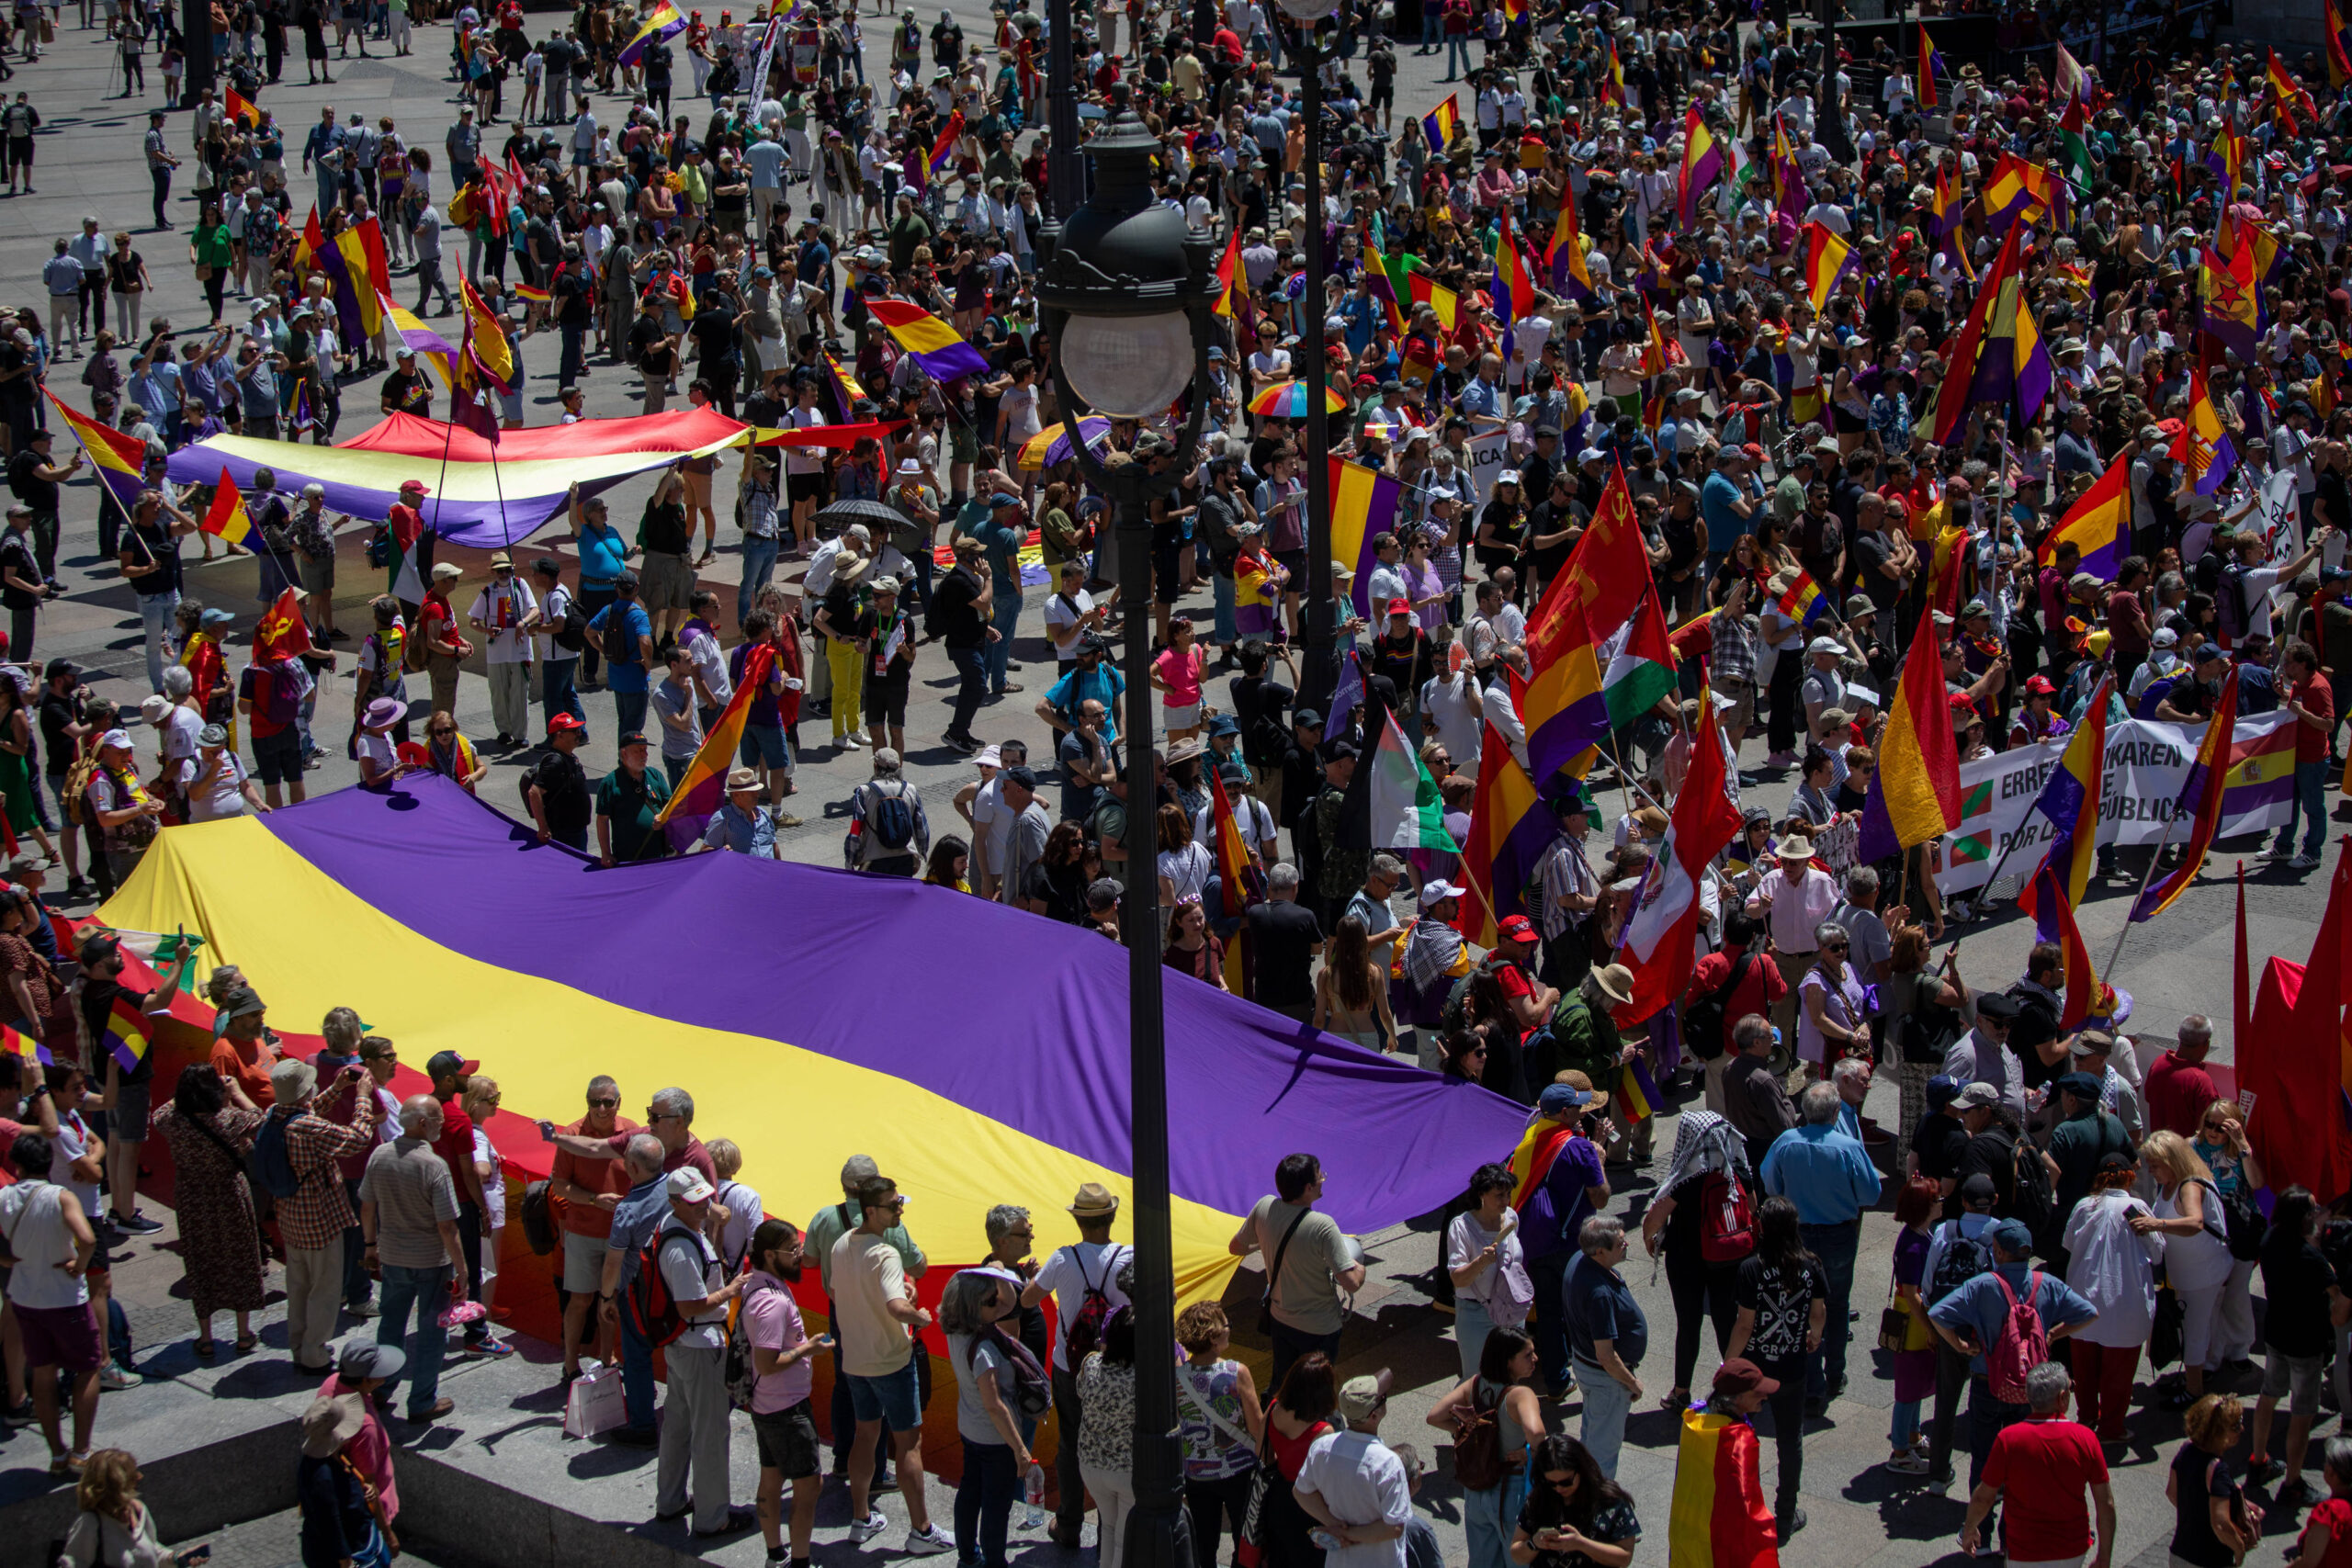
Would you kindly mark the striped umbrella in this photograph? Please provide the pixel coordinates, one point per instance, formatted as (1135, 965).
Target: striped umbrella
(1051, 444)
(1288, 401)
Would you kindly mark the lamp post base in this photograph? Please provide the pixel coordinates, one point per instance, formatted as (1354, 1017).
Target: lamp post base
(1160, 1528)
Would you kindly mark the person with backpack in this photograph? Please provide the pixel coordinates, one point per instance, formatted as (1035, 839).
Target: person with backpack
(408, 1214)
(1704, 1219)
(2005, 1319)
(558, 629)
(295, 1154)
(1828, 1176)
(888, 833)
(679, 1302)
(2044, 1464)
(2115, 1270)
(1492, 1416)
(1082, 1281)
(2084, 1136)
(1310, 1263)
(2187, 1211)
(1982, 1056)
(1568, 1185)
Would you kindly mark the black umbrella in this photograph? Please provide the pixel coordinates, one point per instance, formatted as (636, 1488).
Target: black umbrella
(842, 513)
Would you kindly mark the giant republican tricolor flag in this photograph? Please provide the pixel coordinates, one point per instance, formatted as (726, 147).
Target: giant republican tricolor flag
(1408, 813)
(2201, 801)
(470, 505)
(1661, 938)
(1702, 162)
(967, 1104)
(2070, 799)
(1509, 829)
(942, 355)
(702, 788)
(1720, 1518)
(1597, 645)
(2098, 524)
(1915, 793)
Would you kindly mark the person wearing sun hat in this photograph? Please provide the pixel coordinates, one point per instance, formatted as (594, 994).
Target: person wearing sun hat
(740, 823)
(1793, 899)
(338, 1526)
(378, 763)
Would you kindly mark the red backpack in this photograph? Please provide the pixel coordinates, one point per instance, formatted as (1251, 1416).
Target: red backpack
(2022, 1345)
(1727, 1218)
(652, 1310)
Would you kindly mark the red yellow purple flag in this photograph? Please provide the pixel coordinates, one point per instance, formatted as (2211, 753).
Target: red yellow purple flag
(702, 788)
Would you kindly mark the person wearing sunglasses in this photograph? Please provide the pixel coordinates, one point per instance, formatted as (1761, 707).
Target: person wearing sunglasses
(1574, 1514)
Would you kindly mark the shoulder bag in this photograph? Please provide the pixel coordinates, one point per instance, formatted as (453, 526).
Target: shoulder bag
(1275, 1276)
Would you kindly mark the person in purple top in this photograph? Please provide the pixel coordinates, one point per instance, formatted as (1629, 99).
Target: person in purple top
(1573, 1187)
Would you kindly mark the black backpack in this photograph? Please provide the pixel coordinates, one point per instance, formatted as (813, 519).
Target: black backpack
(271, 1163)
(571, 636)
(1964, 1258)
(538, 1219)
(1702, 1020)
(2033, 1202)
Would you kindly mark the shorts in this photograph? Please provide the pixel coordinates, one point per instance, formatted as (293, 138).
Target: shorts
(764, 747)
(788, 1440)
(894, 1400)
(129, 1117)
(885, 702)
(1741, 715)
(798, 488)
(1294, 563)
(68, 1337)
(1186, 717)
(584, 1262)
(318, 578)
(666, 582)
(962, 443)
(278, 759)
(2295, 1379)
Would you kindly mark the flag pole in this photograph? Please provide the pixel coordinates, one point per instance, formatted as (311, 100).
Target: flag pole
(2146, 877)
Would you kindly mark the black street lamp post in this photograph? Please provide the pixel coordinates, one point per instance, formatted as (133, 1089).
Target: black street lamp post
(1320, 673)
(1126, 297)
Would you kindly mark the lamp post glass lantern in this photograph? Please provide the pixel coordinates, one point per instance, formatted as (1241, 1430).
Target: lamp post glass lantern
(1126, 297)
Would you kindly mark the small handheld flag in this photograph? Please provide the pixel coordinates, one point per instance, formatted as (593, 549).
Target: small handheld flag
(1437, 125)
(225, 518)
(127, 1036)
(24, 1045)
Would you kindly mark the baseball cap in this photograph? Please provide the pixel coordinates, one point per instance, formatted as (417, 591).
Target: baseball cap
(2011, 1235)
(1559, 1097)
(1359, 1396)
(688, 1185)
(1972, 1095)
(1437, 891)
(2082, 1086)
(1400, 606)
(1517, 928)
(364, 1357)
(1739, 1375)
(562, 723)
(1942, 1090)
(444, 1063)
(1978, 1191)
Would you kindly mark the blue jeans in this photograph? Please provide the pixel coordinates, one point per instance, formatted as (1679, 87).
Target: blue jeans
(1607, 1403)
(628, 710)
(155, 618)
(1227, 632)
(637, 1379)
(1549, 1326)
(1471, 1323)
(427, 1290)
(1987, 1417)
(557, 693)
(1489, 1517)
(984, 1499)
(2310, 802)
(1007, 616)
(1456, 44)
(574, 356)
(1432, 25)
(759, 567)
(1905, 1425)
(972, 664)
(1825, 1369)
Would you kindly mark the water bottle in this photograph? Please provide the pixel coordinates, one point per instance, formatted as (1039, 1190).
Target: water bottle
(1324, 1540)
(1033, 1491)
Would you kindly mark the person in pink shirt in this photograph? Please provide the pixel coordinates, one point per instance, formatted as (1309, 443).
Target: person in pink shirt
(781, 1417)
(362, 1369)
(1176, 673)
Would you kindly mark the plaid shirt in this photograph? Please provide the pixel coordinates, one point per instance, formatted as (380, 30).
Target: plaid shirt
(319, 1212)
(1731, 667)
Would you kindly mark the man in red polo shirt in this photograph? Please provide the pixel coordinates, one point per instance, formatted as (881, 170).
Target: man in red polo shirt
(2179, 1089)
(2042, 1465)
(669, 1116)
(590, 1190)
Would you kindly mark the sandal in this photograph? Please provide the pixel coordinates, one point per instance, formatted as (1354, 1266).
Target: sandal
(207, 1348)
(1675, 1399)
(247, 1344)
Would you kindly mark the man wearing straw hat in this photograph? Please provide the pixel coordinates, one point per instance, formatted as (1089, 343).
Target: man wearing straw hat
(1083, 1281)
(740, 823)
(1793, 899)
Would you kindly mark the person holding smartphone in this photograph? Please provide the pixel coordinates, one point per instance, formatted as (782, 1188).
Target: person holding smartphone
(782, 1418)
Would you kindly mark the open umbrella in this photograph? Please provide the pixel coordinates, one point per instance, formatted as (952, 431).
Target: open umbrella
(1051, 444)
(874, 513)
(1288, 401)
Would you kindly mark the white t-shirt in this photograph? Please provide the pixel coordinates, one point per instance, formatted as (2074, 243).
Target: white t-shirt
(744, 1212)
(179, 730)
(1070, 1272)
(35, 1230)
(503, 609)
(378, 745)
(493, 1186)
(1063, 612)
(1019, 406)
(225, 796)
(1446, 700)
(1250, 814)
(992, 825)
(1362, 1481)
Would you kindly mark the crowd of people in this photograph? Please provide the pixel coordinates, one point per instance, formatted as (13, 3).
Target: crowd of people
(1815, 491)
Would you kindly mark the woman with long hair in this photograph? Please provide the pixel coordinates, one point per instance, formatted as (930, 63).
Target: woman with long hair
(1301, 1412)
(1193, 948)
(1500, 1391)
(1574, 1513)
(2187, 1213)
(949, 865)
(995, 1454)
(112, 1527)
(1709, 1166)
(1783, 1297)
(2296, 1335)
(1060, 879)
(1350, 993)
(2115, 1270)
(221, 1250)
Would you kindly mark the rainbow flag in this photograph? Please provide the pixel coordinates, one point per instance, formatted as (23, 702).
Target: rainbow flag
(1638, 1094)
(225, 518)
(1365, 503)
(2201, 801)
(1720, 1518)
(1596, 644)
(942, 355)
(1915, 793)
(1702, 162)
(2070, 799)
(34, 1052)
(1510, 831)
(127, 1035)
(116, 459)
(1803, 599)
(702, 788)
(2099, 524)
(243, 110)
(1440, 123)
(2053, 921)
(663, 23)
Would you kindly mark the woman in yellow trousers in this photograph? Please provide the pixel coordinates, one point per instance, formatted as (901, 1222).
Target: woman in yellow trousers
(846, 622)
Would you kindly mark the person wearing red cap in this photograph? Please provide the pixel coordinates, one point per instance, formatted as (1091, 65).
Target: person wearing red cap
(2036, 720)
(1402, 652)
(555, 788)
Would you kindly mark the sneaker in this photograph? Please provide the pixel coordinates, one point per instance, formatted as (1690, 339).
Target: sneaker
(2278, 852)
(2303, 863)
(491, 1348)
(137, 1225)
(2266, 1473)
(114, 1379)
(1908, 1462)
(929, 1542)
(865, 1530)
(360, 1309)
(19, 1414)
(848, 743)
(1791, 1523)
